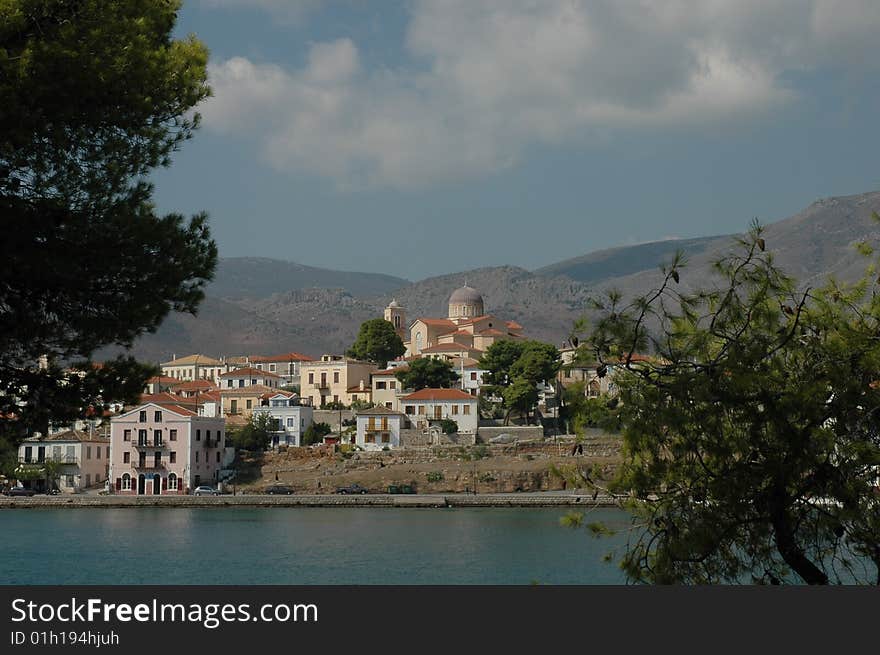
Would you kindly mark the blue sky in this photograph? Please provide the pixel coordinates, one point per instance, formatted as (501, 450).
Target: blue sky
(421, 138)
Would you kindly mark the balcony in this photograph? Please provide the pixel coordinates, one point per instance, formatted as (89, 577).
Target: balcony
(150, 443)
(61, 459)
(148, 466)
(322, 385)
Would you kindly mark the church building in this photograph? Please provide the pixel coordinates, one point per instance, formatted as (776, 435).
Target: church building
(466, 332)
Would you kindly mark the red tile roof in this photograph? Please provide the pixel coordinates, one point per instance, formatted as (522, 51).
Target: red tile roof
(390, 371)
(440, 394)
(275, 394)
(162, 379)
(286, 357)
(491, 332)
(513, 325)
(250, 390)
(443, 322)
(194, 385)
(450, 347)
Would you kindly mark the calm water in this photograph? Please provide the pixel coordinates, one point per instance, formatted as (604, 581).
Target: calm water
(303, 546)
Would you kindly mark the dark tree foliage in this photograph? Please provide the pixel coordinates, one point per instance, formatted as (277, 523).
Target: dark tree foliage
(427, 373)
(95, 95)
(315, 433)
(752, 437)
(377, 342)
(256, 434)
(515, 368)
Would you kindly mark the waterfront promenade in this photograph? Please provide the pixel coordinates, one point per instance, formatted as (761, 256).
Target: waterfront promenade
(326, 500)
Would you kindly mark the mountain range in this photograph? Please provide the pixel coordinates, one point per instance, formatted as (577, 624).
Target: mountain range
(267, 306)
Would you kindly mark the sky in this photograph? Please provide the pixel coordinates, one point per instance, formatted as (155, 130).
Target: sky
(421, 138)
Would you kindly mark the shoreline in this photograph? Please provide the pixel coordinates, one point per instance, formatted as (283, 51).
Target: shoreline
(326, 500)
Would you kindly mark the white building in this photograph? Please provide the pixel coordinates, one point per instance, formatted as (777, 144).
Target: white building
(378, 428)
(292, 419)
(248, 376)
(83, 459)
(433, 405)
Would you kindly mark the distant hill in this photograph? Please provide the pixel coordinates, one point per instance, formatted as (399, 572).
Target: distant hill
(264, 306)
(259, 277)
(626, 260)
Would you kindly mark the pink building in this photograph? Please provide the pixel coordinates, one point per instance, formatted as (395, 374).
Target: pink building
(164, 449)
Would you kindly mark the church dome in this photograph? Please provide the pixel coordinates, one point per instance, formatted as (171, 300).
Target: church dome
(394, 304)
(464, 295)
(465, 303)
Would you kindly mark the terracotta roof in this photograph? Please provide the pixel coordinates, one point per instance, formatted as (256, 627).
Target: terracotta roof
(440, 394)
(357, 389)
(286, 357)
(209, 396)
(450, 347)
(168, 401)
(444, 322)
(70, 435)
(248, 372)
(513, 325)
(468, 362)
(491, 332)
(378, 411)
(190, 360)
(279, 392)
(162, 379)
(477, 319)
(194, 385)
(390, 371)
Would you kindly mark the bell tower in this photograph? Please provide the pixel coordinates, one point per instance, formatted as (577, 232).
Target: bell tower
(396, 315)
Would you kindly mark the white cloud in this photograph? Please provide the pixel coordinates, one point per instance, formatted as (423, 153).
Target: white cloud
(500, 77)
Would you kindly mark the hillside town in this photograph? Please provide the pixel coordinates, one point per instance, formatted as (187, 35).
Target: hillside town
(177, 438)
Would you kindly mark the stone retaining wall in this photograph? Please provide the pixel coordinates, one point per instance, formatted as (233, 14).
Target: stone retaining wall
(369, 500)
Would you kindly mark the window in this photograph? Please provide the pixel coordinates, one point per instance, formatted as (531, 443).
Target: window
(88, 480)
(172, 435)
(157, 437)
(229, 384)
(421, 409)
(126, 435)
(197, 457)
(388, 405)
(143, 417)
(409, 409)
(466, 409)
(172, 482)
(291, 423)
(271, 368)
(336, 377)
(207, 435)
(142, 437)
(311, 378)
(233, 407)
(157, 460)
(253, 381)
(97, 452)
(370, 438)
(108, 452)
(384, 422)
(241, 384)
(28, 454)
(386, 438)
(248, 404)
(172, 457)
(157, 417)
(126, 458)
(88, 453)
(126, 482)
(380, 385)
(392, 385)
(473, 376)
(198, 435)
(218, 456)
(454, 409)
(335, 398)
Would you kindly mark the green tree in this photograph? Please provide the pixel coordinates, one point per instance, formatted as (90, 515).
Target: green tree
(751, 439)
(256, 434)
(95, 95)
(315, 433)
(518, 364)
(427, 373)
(520, 396)
(377, 342)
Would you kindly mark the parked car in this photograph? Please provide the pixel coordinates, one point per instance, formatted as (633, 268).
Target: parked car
(351, 489)
(20, 491)
(279, 490)
(205, 491)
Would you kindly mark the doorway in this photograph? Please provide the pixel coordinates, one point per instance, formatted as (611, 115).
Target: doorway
(142, 485)
(157, 485)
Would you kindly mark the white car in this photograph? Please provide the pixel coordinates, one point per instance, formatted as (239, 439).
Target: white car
(205, 491)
